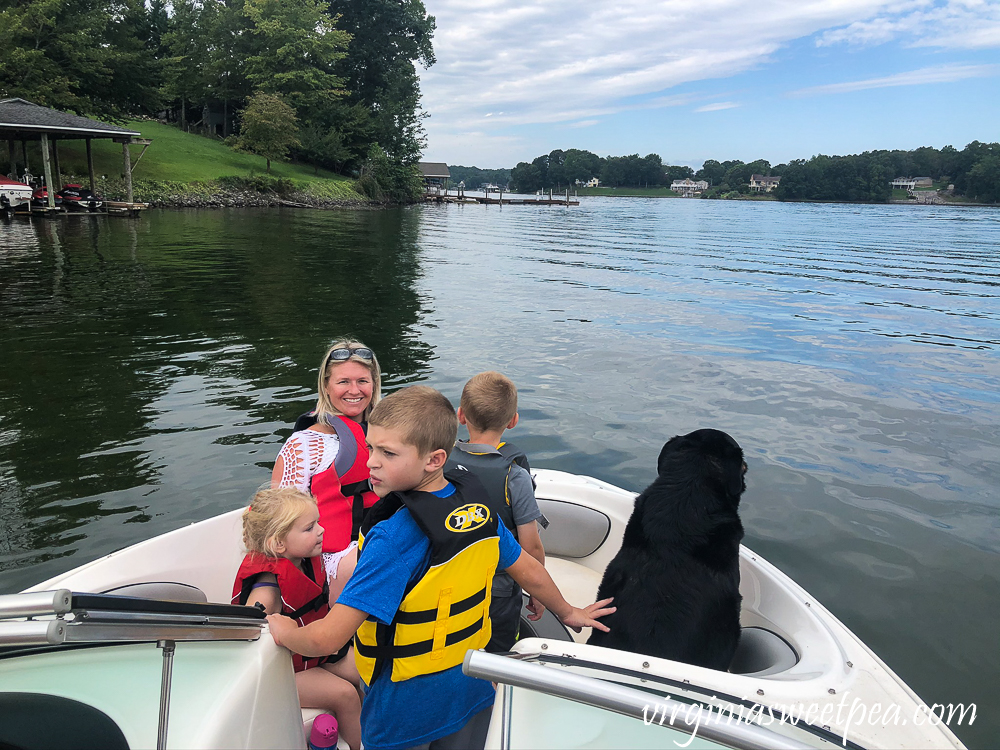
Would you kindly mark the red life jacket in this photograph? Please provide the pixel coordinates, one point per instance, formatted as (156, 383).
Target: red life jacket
(303, 598)
(343, 491)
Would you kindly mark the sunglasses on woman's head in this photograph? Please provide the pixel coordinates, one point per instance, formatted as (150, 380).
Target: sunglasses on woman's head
(340, 355)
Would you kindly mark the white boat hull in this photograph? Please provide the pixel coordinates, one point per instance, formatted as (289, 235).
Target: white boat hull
(241, 694)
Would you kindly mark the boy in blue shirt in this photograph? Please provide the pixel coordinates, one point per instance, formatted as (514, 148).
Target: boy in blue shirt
(419, 597)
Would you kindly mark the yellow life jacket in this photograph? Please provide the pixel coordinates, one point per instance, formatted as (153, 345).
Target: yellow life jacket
(446, 612)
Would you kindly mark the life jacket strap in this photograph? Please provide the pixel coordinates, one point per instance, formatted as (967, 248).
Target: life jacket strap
(355, 491)
(419, 617)
(388, 652)
(312, 606)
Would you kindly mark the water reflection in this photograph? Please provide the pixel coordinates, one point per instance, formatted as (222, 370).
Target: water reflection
(151, 369)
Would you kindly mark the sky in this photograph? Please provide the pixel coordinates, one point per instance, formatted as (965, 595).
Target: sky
(708, 79)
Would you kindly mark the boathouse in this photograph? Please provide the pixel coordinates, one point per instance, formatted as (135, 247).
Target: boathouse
(24, 121)
(435, 175)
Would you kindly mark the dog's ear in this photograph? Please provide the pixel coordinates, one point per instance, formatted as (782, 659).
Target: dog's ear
(735, 476)
(666, 452)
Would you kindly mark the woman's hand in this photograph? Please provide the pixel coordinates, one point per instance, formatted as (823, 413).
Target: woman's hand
(587, 617)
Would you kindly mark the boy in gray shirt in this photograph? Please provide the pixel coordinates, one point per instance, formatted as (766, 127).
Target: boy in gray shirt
(488, 408)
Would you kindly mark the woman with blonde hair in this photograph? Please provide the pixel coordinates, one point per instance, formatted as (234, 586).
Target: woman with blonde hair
(327, 457)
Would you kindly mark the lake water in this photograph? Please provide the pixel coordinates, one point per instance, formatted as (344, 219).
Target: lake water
(150, 369)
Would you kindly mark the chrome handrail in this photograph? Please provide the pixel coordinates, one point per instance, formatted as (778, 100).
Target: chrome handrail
(623, 700)
(36, 603)
(64, 621)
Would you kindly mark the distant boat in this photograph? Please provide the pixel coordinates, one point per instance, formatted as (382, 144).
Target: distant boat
(40, 198)
(13, 193)
(79, 198)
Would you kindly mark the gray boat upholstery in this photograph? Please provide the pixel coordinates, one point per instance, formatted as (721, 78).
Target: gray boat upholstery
(35, 721)
(762, 652)
(546, 627)
(574, 531)
(164, 590)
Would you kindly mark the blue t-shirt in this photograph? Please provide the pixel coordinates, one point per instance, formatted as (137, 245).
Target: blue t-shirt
(427, 707)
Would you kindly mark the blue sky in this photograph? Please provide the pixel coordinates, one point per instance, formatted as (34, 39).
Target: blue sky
(702, 79)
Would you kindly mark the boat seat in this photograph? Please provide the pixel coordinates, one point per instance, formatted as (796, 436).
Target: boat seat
(163, 590)
(574, 531)
(762, 652)
(35, 721)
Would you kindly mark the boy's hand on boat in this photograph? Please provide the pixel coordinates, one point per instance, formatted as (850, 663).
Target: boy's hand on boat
(280, 626)
(587, 617)
(536, 608)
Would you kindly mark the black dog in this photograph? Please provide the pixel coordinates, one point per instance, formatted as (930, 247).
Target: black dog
(676, 579)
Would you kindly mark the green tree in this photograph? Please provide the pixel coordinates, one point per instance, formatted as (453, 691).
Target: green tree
(389, 37)
(580, 165)
(135, 75)
(387, 181)
(983, 181)
(526, 177)
(186, 46)
(323, 146)
(712, 172)
(677, 173)
(92, 57)
(295, 49)
(650, 171)
(268, 127)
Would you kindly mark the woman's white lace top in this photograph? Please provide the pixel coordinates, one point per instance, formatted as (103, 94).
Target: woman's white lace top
(305, 454)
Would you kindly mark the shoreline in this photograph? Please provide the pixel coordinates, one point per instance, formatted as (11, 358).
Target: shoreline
(769, 199)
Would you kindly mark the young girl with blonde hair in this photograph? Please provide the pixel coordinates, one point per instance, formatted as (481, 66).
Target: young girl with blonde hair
(283, 573)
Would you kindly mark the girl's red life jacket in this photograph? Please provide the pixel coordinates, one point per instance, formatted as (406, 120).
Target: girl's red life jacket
(304, 597)
(343, 491)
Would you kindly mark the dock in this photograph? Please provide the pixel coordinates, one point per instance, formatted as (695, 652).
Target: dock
(474, 199)
(110, 208)
(460, 196)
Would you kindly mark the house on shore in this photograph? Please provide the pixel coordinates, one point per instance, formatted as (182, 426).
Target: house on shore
(591, 183)
(689, 188)
(911, 183)
(435, 175)
(761, 184)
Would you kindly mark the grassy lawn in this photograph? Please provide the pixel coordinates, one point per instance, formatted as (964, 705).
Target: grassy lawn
(899, 194)
(653, 192)
(176, 156)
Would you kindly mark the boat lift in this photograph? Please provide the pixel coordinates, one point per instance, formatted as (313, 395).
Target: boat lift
(21, 120)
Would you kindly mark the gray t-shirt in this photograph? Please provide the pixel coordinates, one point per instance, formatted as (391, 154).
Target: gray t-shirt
(522, 504)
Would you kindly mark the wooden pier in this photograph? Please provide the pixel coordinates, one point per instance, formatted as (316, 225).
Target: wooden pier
(485, 200)
(110, 208)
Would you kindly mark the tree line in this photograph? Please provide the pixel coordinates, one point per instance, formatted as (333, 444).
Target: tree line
(560, 169)
(340, 72)
(473, 177)
(974, 171)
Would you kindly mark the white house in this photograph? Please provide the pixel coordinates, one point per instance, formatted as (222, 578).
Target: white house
(592, 182)
(909, 183)
(689, 188)
(761, 184)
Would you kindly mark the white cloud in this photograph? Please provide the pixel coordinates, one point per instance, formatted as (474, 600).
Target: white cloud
(717, 106)
(551, 62)
(940, 74)
(540, 62)
(952, 24)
